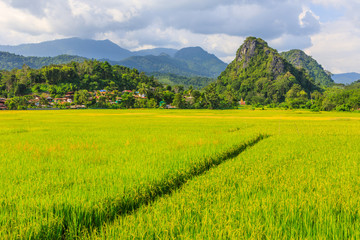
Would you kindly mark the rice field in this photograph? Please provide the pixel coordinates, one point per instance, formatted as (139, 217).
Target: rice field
(182, 174)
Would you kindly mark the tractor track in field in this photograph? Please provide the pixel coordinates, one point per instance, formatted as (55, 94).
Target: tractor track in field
(143, 195)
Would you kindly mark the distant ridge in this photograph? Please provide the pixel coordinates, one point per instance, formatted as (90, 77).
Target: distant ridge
(156, 52)
(71, 46)
(346, 78)
(9, 61)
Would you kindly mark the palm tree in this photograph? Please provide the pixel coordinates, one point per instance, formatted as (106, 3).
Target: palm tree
(143, 89)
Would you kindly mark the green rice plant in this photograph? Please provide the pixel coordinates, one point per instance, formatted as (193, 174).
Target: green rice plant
(66, 172)
(302, 182)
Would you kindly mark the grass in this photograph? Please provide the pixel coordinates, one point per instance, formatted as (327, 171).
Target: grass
(104, 174)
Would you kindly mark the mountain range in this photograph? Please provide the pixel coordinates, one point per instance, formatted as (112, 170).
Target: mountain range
(88, 48)
(192, 61)
(188, 62)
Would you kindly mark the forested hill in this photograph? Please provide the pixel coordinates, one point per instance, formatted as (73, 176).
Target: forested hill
(9, 61)
(299, 59)
(58, 79)
(260, 75)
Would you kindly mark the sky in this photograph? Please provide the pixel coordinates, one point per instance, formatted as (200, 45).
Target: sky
(328, 30)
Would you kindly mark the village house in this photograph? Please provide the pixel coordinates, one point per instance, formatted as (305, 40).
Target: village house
(69, 97)
(60, 100)
(139, 97)
(136, 95)
(168, 106)
(2, 104)
(34, 101)
(78, 107)
(188, 98)
(242, 102)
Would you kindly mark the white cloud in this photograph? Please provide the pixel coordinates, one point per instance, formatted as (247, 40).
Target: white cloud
(15, 20)
(218, 26)
(337, 47)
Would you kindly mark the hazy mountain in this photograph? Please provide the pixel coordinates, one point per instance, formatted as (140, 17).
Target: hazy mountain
(346, 78)
(299, 59)
(192, 61)
(156, 52)
(9, 61)
(71, 46)
(259, 74)
(161, 64)
(201, 61)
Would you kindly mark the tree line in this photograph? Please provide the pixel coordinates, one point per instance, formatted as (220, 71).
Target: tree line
(123, 87)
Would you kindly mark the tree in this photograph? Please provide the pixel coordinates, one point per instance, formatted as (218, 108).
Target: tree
(127, 100)
(17, 103)
(143, 89)
(178, 101)
(168, 96)
(212, 98)
(296, 96)
(20, 89)
(178, 88)
(81, 97)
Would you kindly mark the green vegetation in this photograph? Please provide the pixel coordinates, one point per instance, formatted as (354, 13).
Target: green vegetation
(299, 59)
(10, 61)
(340, 98)
(173, 79)
(189, 174)
(56, 80)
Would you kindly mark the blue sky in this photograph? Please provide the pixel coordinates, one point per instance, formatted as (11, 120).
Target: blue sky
(327, 13)
(328, 30)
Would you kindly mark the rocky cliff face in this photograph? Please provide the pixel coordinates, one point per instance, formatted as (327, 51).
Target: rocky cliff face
(252, 48)
(247, 51)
